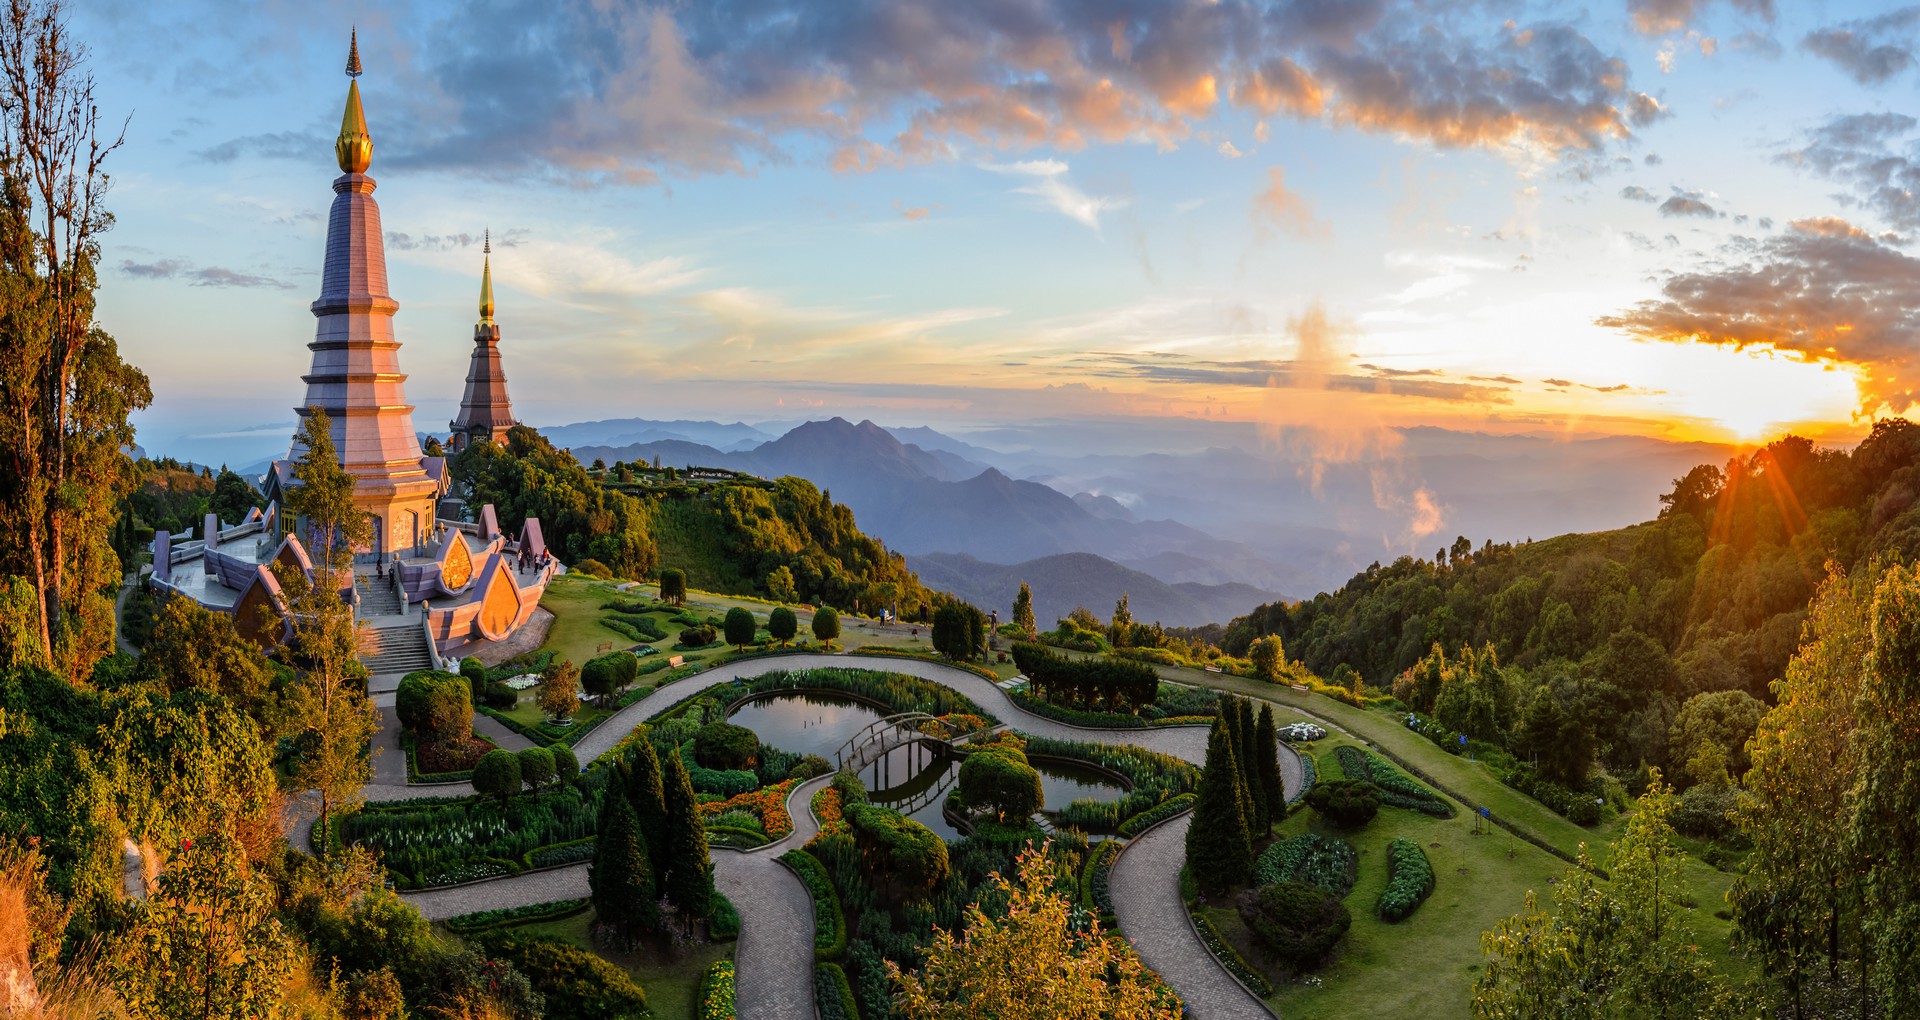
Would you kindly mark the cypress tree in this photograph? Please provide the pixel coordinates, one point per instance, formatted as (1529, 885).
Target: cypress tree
(1219, 852)
(1246, 749)
(1229, 724)
(621, 879)
(689, 875)
(1267, 745)
(644, 790)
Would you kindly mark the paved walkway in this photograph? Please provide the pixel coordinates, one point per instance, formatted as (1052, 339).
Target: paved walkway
(1146, 899)
(496, 731)
(775, 955)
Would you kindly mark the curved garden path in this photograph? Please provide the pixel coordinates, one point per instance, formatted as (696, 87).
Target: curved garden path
(774, 959)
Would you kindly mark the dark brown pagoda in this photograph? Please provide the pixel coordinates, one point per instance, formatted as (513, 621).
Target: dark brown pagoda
(485, 412)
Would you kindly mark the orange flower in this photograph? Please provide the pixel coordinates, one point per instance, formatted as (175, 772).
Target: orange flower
(768, 803)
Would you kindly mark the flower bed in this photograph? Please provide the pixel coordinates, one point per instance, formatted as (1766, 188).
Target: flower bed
(833, 994)
(522, 682)
(1409, 880)
(428, 843)
(769, 804)
(487, 920)
(571, 852)
(1301, 732)
(1396, 787)
(1316, 860)
(829, 921)
(826, 809)
(716, 993)
(1309, 776)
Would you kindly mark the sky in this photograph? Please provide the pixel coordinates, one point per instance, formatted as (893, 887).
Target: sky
(1681, 218)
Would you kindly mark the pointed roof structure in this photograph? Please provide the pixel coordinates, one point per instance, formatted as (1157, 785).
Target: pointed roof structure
(485, 412)
(355, 375)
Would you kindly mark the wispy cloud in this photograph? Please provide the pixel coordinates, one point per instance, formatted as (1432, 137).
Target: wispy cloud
(1870, 50)
(1279, 208)
(1049, 182)
(199, 276)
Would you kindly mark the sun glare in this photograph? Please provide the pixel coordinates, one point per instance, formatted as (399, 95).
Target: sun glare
(1723, 395)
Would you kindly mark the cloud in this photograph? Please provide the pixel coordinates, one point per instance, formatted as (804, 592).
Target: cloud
(1050, 182)
(277, 145)
(1870, 153)
(1823, 291)
(1276, 207)
(916, 212)
(205, 276)
(1658, 17)
(1636, 193)
(1869, 50)
(1229, 150)
(1688, 203)
(592, 93)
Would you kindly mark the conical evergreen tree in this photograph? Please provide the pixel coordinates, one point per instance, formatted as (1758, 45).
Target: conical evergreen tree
(1219, 852)
(621, 879)
(1266, 744)
(1246, 749)
(644, 790)
(689, 875)
(1229, 726)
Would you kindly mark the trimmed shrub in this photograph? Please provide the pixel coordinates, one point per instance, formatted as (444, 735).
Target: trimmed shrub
(497, 774)
(1348, 803)
(833, 993)
(724, 746)
(740, 627)
(496, 695)
(577, 984)
(724, 921)
(536, 767)
(826, 625)
(605, 676)
(1298, 923)
(1409, 880)
(998, 777)
(479, 921)
(782, 624)
(592, 568)
(476, 673)
(436, 705)
(897, 849)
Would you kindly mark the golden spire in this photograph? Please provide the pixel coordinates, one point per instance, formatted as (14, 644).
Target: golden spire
(486, 280)
(354, 147)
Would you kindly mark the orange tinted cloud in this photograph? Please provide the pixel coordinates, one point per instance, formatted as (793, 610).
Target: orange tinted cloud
(1823, 291)
(1277, 207)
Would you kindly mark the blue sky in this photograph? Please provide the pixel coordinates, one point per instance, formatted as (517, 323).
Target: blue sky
(1649, 217)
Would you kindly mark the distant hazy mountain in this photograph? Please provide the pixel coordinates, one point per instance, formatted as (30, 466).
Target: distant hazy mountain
(1061, 582)
(628, 431)
(920, 502)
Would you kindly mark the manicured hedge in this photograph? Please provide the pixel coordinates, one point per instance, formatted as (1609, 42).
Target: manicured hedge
(1164, 810)
(1095, 893)
(1076, 716)
(626, 625)
(485, 920)
(1109, 682)
(724, 923)
(571, 852)
(829, 920)
(1231, 958)
(1409, 880)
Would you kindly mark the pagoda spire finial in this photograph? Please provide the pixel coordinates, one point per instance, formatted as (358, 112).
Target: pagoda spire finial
(354, 147)
(486, 280)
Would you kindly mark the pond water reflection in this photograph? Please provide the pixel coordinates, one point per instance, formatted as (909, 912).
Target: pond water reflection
(913, 780)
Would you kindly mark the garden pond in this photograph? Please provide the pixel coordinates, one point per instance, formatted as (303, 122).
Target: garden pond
(912, 780)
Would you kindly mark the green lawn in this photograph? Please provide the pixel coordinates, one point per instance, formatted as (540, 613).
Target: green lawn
(672, 986)
(1425, 965)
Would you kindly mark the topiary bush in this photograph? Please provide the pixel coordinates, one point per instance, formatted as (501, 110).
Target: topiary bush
(436, 705)
(1298, 923)
(497, 774)
(476, 673)
(1409, 880)
(998, 777)
(566, 765)
(536, 767)
(1348, 803)
(724, 746)
(577, 984)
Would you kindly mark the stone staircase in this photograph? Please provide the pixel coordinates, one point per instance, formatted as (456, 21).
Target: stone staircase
(394, 650)
(377, 597)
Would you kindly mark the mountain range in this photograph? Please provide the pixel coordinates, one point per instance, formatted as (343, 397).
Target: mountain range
(1061, 583)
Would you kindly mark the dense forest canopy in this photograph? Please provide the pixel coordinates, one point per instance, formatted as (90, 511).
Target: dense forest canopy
(1720, 580)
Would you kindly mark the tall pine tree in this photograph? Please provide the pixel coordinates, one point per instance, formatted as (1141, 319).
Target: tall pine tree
(621, 879)
(1219, 852)
(689, 875)
(1266, 745)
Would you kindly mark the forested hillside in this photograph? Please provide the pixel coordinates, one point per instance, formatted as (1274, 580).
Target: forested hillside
(729, 534)
(1708, 597)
